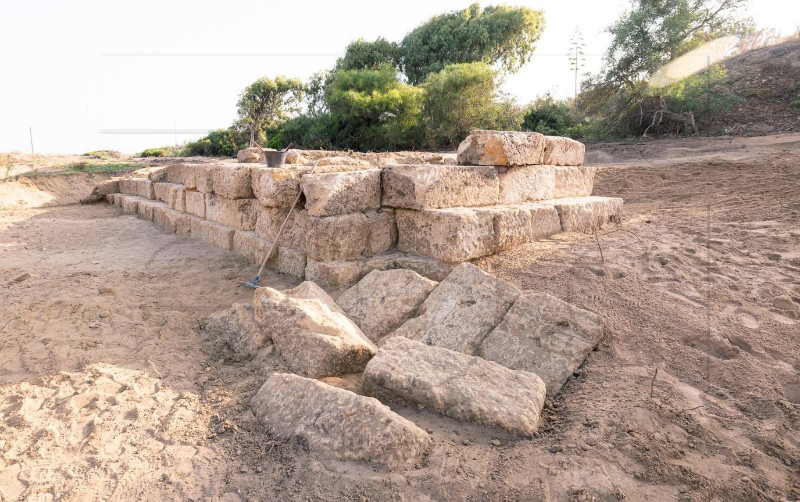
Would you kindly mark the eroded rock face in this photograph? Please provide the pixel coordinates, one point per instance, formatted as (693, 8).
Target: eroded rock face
(237, 326)
(502, 148)
(463, 387)
(251, 155)
(431, 187)
(561, 151)
(311, 332)
(337, 422)
(544, 335)
(587, 214)
(385, 299)
(331, 194)
(461, 311)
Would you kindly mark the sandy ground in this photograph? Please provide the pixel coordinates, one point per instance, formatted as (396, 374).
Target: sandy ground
(110, 388)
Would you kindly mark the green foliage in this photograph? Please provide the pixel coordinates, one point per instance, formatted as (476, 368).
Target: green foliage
(499, 34)
(550, 116)
(363, 55)
(319, 131)
(463, 97)
(705, 94)
(163, 151)
(86, 167)
(103, 154)
(219, 143)
(268, 101)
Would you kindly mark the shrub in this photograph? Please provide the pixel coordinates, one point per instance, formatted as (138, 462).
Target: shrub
(219, 143)
(551, 116)
(163, 151)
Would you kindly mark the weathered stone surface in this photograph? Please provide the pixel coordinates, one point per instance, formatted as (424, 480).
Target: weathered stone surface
(195, 203)
(240, 214)
(331, 194)
(270, 220)
(171, 193)
(560, 151)
(544, 220)
(345, 273)
(250, 155)
(145, 208)
(337, 237)
(526, 183)
(311, 332)
(232, 181)
(337, 422)
(451, 235)
(129, 203)
(382, 231)
(461, 310)
(106, 187)
(573, 181)
(502, 148)
(512, 226)
(184, 174)
(431, 187)
(544, 335)
(284, 259)
(343, 161)
(141, 187)
(212, 233)
(587, 214)
(237, 326)
(383, 300)
(173, 221)
(278, 186)
(204, 180)
(294, 156)
(463, 387)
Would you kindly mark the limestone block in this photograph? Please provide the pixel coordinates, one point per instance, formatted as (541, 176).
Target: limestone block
(111, 199)
(337, 422)
(141, 187)
(331, 194)
(145, 208)
(382, 231)
(195, 203)
(544, 220)
(204, 180)
(502, 148)
(544, 335)
(451, 235)
(461, 310)
(587, 214)
(237, 326)
(345, 273)
(129, 203)
(270, 219)
(573, 181)
(512, 225)
(560, 151)
(106, 187)
(435, 186)
(337, 237)
(251, 155)
(278, 186)
(240, 214)
(383, 300)
(463, 387)
(311, 332)
(343, 161)
(526, 183)
(284, 259)
(183, 174)
(212, 233)
(173, 221)
(232, 181)
(171, 193)
(294, 156)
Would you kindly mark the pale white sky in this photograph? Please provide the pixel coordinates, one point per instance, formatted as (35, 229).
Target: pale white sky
(75, 70)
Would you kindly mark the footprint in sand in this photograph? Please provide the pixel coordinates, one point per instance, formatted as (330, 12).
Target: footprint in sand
(747, 319)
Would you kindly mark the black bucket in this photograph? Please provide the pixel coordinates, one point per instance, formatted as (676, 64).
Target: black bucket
(276, 158)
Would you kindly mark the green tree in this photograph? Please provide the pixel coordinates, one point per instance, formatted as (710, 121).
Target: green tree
(548, 115)
(268, 101)
(463, 97)
(495, 35)
(363, 55)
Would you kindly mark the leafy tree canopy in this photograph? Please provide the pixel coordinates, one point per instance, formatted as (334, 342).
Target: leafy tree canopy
(363, 55)
(268, 101)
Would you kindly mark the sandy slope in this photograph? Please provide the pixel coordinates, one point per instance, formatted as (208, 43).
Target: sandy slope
(703, 285)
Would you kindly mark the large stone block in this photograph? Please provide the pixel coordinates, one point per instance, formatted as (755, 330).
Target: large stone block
(526, 183)
(331, 194)
(129, 203)
(383, 300)
(463, 387)
(349, 235)
(279, 186)
(345, 273)
(560, 151)
(451, 235)
(512, 225)
(240, 214)
(587, 214)
(145, 208)
(270, 220)
(173, 221)
(251, 155)
(432, 187)
(461, 310)
(237, 326)
(232, 181)
(195, 203)
(141, 187)
(382, 231)
(502, 148)
(311, 332)
(337, 422)
(204, 180)
(544, 335)
(544, 220)
(284, 259)
(212, 233)
(573, 181)
(171, 193)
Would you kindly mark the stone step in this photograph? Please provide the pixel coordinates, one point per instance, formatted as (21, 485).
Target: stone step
(141, 187)
(516, 148)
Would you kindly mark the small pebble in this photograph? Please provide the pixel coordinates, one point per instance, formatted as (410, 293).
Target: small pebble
(495, 442)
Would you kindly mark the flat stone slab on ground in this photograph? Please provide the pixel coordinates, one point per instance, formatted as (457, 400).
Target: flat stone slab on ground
(232, 181)
(544, 335)
(345, 273)
(237, 326)
(463, 387)
(331, 194)
(461, 311)
(432, 187)
(587, 214)
(561, 151)
(385, 299)
(311, 332)
(573, 181)
(502, 148)
(337, 422)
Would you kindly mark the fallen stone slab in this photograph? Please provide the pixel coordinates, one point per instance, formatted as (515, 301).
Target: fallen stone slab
(232, 181)
(561, 151)
(237, 326)
(501, 148)
(544, 335)
(587, 214)
(385, 299)
(145, 208)
(348, 236)
(433, 187)
(141, 187)
(337, 193)
(174, 221)
(240, 214)
(311, 332)
(526, 183)
(459, 386)
(284, 259)
(251, 155)
(451, 235)
(573, 181)
(461, 311)
(337, 422)
(270, 219)
(195, 203)
(345, 273)
(212, 233)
